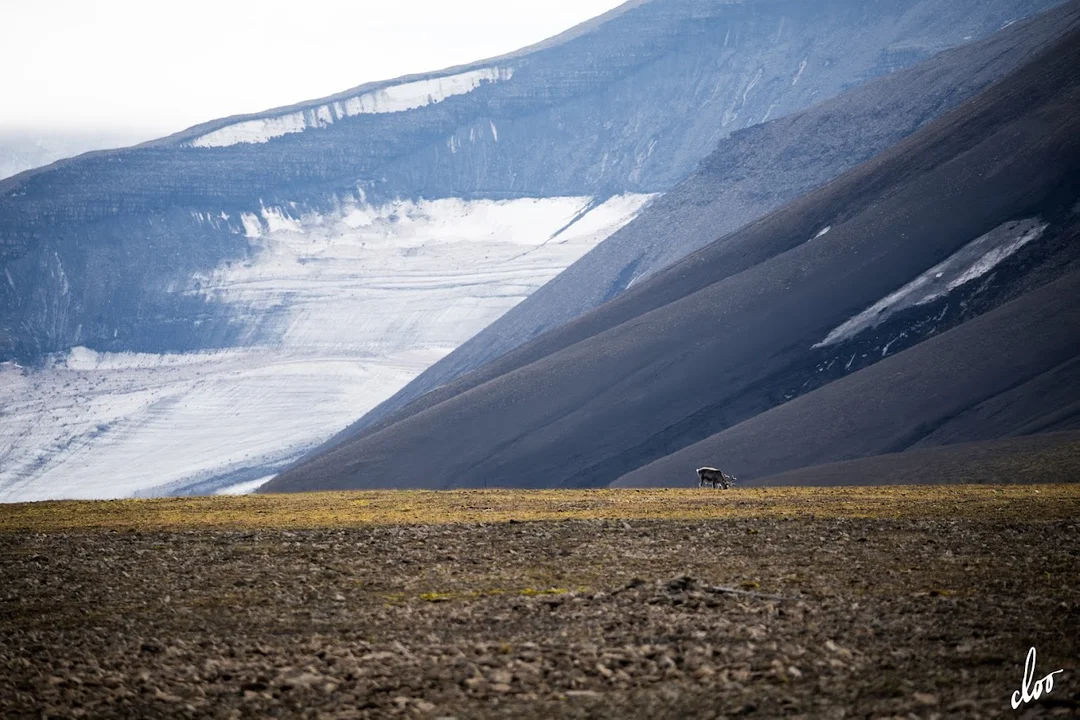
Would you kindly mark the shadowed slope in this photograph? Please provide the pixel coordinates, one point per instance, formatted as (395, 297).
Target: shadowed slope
(1049, 457)
(993, 361)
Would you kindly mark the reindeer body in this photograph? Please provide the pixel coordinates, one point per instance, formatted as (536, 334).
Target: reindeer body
(714, 477)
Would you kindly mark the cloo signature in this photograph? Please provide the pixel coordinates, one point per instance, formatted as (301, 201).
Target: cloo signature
(1032, 691)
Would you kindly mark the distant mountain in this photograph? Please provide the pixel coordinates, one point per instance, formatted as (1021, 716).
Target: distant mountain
(202, 309)
(965, 230)
(23, 150)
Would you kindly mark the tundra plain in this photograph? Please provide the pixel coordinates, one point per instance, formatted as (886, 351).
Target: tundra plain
(780, 602)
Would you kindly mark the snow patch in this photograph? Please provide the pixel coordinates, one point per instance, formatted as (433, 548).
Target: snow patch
(245, 488)
(822, 231)
(391, 99)
(973, 260)
(358, 217)
(253, 131)
(252, 226)
(277, 220)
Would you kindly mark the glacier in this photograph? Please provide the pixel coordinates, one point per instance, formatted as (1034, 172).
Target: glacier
(359, 303)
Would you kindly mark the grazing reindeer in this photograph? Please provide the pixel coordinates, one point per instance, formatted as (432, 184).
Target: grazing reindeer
(715, 478)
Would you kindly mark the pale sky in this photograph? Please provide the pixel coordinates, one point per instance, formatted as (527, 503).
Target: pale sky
(151, 67)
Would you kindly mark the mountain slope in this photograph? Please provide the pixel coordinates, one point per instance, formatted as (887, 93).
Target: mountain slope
(276, 275)
(825, 277)
(1049, 457)
(750, 173)
(912, 398)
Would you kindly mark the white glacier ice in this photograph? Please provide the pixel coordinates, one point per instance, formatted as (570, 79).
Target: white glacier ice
(391, 99)
(358, 304)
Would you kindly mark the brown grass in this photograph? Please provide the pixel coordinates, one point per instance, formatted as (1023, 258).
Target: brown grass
(408, 507)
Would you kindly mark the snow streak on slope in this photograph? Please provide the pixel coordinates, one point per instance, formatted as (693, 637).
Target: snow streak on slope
(345, 310)
(396, 98)
(972, 261)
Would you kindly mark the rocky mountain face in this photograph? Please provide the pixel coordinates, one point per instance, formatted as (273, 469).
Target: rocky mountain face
(292, 268)
(927, 296)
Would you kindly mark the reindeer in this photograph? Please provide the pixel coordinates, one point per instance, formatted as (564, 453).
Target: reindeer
(714, 477)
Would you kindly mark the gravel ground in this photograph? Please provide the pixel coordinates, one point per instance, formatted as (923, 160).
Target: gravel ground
(761, 617)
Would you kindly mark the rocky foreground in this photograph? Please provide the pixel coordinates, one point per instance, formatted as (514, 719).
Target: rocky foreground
(912, 613)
